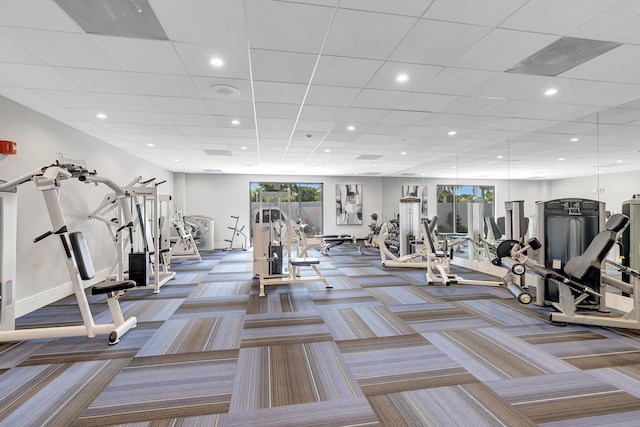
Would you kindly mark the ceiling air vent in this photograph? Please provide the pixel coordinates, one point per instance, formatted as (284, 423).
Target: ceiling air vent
(121, 18)
(562, 55)
(218, 152)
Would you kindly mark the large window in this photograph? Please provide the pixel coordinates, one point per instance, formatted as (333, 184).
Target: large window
(453, 203)
(306, 201)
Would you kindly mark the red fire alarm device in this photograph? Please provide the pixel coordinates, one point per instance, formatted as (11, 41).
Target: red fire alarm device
(8, 147)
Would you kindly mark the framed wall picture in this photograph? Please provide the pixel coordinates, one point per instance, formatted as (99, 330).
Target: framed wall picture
(348, 204)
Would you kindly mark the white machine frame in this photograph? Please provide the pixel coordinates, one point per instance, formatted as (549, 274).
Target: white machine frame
(47, 180)
(289, 237)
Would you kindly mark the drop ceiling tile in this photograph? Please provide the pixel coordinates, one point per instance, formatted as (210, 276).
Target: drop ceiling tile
(620, 65)
(423, 131)
(556, 17)
(68, 99)
(238, 133)
(276, 111)
(343, 71)
(424, 43)
(229, 108)
(275, 124)
(164, 84)
(174, 104)
(425, 102)
(283, 93)
(141, 118)
(618, 24)
(192, 119)
(331, 96)
(457, 121)
(319, 112)
(287, 26)
(202, 131)
(406, 7)
(387, 99)
(403, 117)
(618, 116)
(365, 34)
(385, 129)
(525, 125)
(364, 115)
(488, 13)
(196, 58)
(37, 77)
(417, 75)
(100, 81)
(61, 49)
(150, 56)
(202, 21)
(26, 97)
(267, 65)
(315, 126)
(604, 94)
(15, 53)
(49, 16)
(509, 86)
(501, 49)
(468, 105)
(456, 81)
(123, 102)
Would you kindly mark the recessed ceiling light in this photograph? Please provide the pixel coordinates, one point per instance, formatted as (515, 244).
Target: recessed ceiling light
(375, 165)
(235, 122)
(618, 161)
(452, 132)
(149, 145)
(561, 159)
(243, 148)
(403, 153)
(101, 116)
(500, 157)
(176, 160)
(551, 91)
(351, 128)
(216, 62)
(402, 78)
(453, 167)
(327, 151)
(575, 139)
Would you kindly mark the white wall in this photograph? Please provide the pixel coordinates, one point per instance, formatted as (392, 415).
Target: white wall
(41, 276)
(220, 196)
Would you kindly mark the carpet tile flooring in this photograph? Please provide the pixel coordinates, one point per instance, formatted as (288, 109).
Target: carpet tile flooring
(381, 348)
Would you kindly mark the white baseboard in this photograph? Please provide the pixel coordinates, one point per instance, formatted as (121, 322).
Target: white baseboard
(34, 302)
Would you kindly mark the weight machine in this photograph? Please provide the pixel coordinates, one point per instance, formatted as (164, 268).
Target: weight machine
(406, 237)
(78, 261)
(184, 246)
(581, 284)
(137, 247)
(279, 245)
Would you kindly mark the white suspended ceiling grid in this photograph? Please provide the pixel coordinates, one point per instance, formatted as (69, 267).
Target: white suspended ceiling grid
(309, 87)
